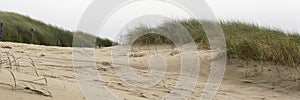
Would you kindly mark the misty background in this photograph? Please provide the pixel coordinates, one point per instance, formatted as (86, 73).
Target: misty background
(281, 14)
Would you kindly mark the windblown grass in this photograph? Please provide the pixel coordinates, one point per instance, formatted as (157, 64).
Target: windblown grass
(244, 41)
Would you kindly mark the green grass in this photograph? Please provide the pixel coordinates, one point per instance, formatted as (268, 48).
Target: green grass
(244, 41)
(17, 27)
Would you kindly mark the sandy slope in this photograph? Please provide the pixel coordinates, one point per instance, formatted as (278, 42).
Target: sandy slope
(243, 80)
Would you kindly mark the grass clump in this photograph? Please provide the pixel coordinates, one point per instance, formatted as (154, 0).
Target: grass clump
(244, 41)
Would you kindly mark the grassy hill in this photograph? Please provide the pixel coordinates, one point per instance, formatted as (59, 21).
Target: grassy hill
(244, 41)
(17, 28)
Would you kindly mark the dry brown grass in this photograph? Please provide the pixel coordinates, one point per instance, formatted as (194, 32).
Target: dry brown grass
(10, 63)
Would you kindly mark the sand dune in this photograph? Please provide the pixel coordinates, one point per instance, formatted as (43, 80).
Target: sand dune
(243, 80)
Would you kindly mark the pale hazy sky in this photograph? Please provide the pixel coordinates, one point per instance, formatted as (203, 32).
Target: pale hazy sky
(284, 14)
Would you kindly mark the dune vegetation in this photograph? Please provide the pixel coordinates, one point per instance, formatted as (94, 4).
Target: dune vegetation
(17, 29)
(244, 41)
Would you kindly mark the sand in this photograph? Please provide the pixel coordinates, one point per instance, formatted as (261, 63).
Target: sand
(243, 80)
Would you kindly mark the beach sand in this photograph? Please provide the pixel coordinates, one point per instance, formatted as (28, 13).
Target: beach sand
(243, 80)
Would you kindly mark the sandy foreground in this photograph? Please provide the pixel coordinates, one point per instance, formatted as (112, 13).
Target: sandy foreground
(243, 80)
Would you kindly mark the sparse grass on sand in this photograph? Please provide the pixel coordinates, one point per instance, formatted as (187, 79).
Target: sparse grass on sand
(11, 64)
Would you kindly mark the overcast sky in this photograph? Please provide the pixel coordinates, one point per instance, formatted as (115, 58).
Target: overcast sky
(284, 14)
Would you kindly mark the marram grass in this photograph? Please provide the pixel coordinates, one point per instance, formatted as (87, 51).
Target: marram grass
(17, 28)
(244, 41)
